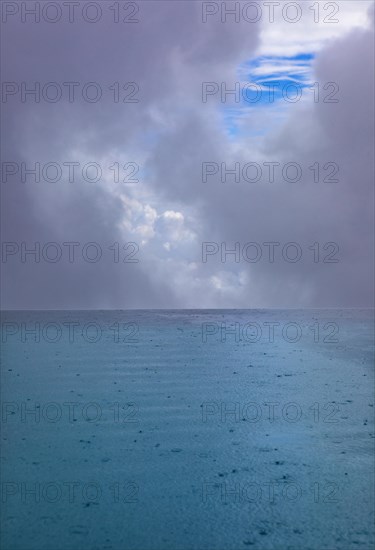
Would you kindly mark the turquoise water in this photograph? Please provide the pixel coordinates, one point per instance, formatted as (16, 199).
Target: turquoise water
(206, 430)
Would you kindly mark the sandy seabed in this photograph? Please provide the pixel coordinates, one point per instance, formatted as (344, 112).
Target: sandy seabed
(187, 430)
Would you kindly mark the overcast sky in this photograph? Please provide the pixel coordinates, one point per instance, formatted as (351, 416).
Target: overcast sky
(162, 138)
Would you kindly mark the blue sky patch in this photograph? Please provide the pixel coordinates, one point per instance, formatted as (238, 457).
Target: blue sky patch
(265, 81)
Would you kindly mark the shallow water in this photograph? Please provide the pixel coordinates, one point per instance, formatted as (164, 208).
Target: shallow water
(206, 430)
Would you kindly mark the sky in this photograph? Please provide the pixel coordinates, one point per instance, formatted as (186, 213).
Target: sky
(168, 137)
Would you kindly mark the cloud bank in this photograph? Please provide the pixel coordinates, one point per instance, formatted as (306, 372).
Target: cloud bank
(160, 142)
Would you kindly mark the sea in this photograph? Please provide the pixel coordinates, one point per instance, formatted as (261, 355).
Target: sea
(187, 430)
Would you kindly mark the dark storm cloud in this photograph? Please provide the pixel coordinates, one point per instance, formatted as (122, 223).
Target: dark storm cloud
(169, 53)
(168, 40)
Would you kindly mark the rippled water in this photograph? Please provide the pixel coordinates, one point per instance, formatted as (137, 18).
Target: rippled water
(206, 430)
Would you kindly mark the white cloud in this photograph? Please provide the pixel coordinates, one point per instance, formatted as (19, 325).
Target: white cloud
(290, 39)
